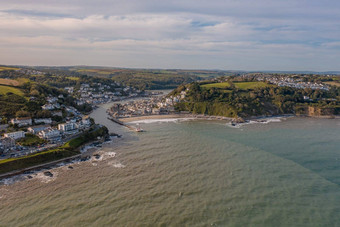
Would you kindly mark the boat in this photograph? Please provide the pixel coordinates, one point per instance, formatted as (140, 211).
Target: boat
(139, 129)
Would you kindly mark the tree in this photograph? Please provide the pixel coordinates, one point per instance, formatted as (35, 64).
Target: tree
(22, 113)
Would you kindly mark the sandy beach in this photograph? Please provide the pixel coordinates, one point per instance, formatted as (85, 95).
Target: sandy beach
(168, 116)
(173, 116)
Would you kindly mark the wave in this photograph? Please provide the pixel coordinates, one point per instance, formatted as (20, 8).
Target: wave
(265, 120)
(117, 164)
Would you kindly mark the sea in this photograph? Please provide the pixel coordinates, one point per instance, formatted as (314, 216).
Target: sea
(185, 172)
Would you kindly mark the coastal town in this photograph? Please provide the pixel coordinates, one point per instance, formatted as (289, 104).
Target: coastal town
(57, 118)
(152, 106)
(293, 81)
(99, 93)
(62, 114)
(39, 134)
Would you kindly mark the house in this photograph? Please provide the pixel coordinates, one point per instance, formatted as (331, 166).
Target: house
(155, 111)
(83, 124)
(86, 121)
(6, 143)
(49, 133)
(79, 103)
(48, 107)
(67, 127)
(36, 129)
(24, 121)
(69, 89)
(52, 99)
(15, 135)
(57, 113)
(43, 120)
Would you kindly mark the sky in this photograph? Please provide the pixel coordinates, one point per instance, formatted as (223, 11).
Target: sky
(182, 34)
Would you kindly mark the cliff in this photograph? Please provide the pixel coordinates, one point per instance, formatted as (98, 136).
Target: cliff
(317, 111)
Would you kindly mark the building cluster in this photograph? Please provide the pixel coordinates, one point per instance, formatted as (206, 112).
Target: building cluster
(152, 106)
(99, 93)
(288, 81)
(28, 71)
(52, 103)
(41, 127)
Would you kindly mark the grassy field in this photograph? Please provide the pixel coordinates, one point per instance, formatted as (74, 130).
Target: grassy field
(100, 71)
(9, 82)
(72, 78)
(250, 85)
(24, 80)
(5, 89)
(31, 140)
(3, 68)
(216, 85)
(333, 83)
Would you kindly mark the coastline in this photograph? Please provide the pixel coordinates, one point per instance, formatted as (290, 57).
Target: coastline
(95, 151)
(198, 117)
(211, 117)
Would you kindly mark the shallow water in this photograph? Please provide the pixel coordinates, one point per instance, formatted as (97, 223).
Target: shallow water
(193, 173)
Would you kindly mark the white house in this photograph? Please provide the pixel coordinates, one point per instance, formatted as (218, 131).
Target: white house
(15, 135)
(36, 129)
(43, 120)
(57, 113)
(6, 143)
(85, 123)
(49, 133)
(48, 107)
(24, 121)
(67, 127)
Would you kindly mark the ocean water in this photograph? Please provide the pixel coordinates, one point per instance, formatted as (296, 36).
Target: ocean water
(192, 173)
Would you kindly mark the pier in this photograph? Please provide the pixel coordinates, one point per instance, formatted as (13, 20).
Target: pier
(125, 125)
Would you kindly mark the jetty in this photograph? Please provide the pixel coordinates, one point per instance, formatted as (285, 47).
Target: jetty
(132, 128)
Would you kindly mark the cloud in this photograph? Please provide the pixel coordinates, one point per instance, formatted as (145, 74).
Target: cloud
(214, 34)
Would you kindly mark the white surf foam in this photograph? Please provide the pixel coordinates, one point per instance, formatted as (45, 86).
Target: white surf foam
(110, 154)
(258, 121)
(117, 164)
(46, 179)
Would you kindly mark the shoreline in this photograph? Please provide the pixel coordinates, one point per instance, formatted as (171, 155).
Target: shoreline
(196, 116)
(212, 117)
(93, 151)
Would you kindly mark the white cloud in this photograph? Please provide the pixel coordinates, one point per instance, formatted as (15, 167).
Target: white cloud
(215, 34)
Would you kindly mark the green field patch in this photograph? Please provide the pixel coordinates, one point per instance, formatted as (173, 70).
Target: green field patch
(31, 140)
(9, 82)
(216, 85)
(250, 85)
(4, 68)
(333, 83)
(99, 71)
(24, 80)
(5, 89)
(73, 78)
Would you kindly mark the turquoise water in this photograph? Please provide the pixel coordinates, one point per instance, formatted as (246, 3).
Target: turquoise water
(193, 173)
